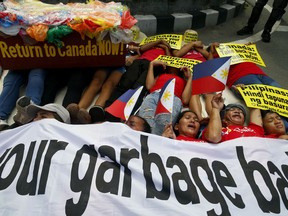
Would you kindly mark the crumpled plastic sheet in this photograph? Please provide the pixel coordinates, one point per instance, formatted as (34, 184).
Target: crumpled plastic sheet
(88, 19)
(38, 32)
(55, 34)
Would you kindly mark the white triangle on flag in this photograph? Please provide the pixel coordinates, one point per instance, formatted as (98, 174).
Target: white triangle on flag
(167, 97)
(131, 103)
(222, 73)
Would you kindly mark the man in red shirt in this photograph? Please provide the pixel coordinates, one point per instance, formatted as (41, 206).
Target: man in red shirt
(228, 122)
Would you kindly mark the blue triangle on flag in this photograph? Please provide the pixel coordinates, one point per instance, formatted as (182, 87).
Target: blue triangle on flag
(208, 67)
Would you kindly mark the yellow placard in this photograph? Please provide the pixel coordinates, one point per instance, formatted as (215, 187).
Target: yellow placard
(175, 40)
(190, 35)
(178, 62)
(240, 53)
(266, 98)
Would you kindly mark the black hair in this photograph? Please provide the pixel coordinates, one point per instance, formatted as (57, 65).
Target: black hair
(146, 126)
(265, 112)
(179, 117)
(229, 106)
(57, 117)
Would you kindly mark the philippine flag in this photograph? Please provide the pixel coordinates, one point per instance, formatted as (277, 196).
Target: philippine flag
(165, 103)
(124, 105)
(210, 76)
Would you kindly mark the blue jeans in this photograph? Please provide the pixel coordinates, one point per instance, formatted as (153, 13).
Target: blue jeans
(158, 122)
(11, 88)
(254, 79)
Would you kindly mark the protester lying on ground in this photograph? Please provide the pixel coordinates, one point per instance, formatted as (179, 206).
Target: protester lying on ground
(35, 113)
(273, 125)
(244, 73)
(186, 127)
(138, 123)
(195, 50)
(102, 84)
(12, 83)
(135, 122)
(154, 83)
(134, 77)
(51, 110)
(75, 80)
(228, 122)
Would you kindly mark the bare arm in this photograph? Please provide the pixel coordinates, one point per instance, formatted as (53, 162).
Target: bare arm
(205, 53)
(284, 137)
(150, 79)
(150, 45)
(186, 94)
(214, 128)
(167, 49)
(255, 117)
(186, 48)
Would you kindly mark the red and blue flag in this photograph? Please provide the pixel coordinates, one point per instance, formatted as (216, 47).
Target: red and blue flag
(166, 99)
(210, 76)
(123, 106)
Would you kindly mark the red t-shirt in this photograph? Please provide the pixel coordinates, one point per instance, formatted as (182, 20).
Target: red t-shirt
(236, 131)
(152, 54)
(163, 78)
(272, 136)
(193, 54)
(186, 138)
(242, 69)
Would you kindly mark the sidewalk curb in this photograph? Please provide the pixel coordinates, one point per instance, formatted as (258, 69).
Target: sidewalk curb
(179, 22)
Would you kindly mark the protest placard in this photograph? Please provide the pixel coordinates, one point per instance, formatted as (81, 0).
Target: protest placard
(266, 98)
(174, 40)
(240, 53)
(178, 62)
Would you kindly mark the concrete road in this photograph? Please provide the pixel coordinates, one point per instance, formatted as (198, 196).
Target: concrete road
(274, 53)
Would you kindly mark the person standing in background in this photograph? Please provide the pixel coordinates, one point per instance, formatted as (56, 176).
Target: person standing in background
(276, 14)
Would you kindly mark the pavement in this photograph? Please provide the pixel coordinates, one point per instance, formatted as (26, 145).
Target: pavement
(274, 53)
(221, 25)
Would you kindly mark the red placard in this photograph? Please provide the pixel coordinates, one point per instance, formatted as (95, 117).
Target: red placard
(75, 52)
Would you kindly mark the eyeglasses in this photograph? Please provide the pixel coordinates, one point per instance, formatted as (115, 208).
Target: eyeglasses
(236, 109)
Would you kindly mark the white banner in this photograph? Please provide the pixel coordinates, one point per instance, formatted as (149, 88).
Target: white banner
(50, 168)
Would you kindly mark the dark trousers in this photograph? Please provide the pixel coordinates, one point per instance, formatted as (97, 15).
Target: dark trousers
(134, 77)
(277, 12)
(76, 81)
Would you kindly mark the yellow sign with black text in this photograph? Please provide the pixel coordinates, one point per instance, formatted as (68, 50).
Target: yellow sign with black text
(240, 53)
(174, 40)
(178, 62)
(266, 98)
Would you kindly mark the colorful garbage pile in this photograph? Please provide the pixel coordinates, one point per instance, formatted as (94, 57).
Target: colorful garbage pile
(51, 22)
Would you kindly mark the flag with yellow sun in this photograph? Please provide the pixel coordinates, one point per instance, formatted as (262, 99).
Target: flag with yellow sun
(210, 76)
(123, 106)
(165, 103)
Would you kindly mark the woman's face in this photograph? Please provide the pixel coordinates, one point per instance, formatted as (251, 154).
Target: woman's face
(188, 125)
